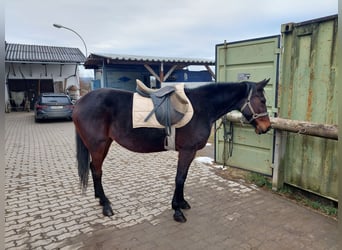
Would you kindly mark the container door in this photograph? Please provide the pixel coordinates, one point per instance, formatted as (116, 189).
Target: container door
(254, 60)
(308, 92)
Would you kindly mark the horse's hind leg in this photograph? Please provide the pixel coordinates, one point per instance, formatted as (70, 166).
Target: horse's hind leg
(178, 202)
(96, 171)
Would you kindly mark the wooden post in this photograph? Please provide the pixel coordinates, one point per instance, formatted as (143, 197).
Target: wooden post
(301, 127)
(161, 72)
(278, 168)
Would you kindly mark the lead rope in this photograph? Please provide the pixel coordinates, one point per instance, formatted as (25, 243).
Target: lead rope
(227, 139)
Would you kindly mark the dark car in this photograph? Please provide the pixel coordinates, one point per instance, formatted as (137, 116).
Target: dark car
(53, 106)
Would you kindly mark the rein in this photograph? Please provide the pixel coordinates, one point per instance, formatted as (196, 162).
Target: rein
(249, 105)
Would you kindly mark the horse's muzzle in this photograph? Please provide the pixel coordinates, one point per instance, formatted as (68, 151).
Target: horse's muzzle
(262, 126)
(262, 131)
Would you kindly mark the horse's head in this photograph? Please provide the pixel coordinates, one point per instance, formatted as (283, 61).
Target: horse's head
(254, 108)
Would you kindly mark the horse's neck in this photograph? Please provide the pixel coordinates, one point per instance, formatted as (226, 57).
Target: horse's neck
(215, 101)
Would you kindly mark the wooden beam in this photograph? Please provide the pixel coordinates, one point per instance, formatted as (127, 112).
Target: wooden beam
(210, 71)
(170, 72)
(152, 71)
(161, 77)
(301, 127)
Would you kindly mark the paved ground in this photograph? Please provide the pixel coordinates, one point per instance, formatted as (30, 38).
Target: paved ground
(46, 210)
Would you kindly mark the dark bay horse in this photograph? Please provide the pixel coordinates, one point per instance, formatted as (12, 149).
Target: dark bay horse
(104, 115)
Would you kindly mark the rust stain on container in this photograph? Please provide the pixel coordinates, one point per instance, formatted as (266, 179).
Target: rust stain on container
(309, 108)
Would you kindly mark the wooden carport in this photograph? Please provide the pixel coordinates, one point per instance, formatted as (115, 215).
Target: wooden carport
(160, 67)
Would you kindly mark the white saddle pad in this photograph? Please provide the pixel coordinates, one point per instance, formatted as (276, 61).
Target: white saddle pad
(142, 106)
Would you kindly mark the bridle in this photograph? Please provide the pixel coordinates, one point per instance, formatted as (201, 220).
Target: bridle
(249, 105)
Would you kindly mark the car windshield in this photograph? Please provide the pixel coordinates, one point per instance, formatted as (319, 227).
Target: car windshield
(55, 99)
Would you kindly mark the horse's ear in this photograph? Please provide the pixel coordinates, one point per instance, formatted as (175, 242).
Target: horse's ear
(261, 85)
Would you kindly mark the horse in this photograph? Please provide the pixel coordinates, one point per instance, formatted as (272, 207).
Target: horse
(105, 115)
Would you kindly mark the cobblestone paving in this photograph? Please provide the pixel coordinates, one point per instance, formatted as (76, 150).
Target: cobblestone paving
(46, 210)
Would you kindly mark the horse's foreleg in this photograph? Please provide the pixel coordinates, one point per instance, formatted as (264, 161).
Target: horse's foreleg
(178, 202)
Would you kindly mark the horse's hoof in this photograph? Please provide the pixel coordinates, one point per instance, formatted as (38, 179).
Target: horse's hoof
(107, 211)
(179, 217)
(185, 205)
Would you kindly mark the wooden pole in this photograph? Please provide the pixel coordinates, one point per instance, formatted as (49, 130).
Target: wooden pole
(307, 128)
(301, 127)
(161, 72)
(210, 71)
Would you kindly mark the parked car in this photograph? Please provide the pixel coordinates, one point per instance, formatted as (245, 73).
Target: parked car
(53, 106)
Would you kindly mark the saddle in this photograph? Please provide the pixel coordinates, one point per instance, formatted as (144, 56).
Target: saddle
(168, 106)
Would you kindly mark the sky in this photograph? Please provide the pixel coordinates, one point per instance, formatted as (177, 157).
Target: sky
(177, 28)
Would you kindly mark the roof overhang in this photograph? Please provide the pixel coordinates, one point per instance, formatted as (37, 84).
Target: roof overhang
(95, 61)
(44, 62)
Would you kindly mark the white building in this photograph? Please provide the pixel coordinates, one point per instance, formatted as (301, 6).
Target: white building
(34, 69)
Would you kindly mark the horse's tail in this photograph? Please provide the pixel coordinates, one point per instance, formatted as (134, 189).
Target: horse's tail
(83, 162)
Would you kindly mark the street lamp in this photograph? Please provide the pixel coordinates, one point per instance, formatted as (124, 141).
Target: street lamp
(61, 26)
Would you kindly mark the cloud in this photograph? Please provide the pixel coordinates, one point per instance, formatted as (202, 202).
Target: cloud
(189, 28)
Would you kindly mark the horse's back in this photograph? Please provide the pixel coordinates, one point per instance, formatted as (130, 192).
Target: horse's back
(103, 98)
(100, 107)
(101, 102)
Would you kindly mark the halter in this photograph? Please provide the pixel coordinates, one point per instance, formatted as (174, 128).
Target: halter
(249, 105)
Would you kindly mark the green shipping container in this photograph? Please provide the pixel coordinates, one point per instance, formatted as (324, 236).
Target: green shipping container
(308, 93)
